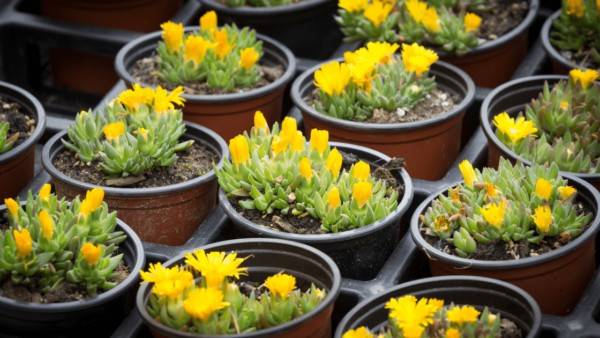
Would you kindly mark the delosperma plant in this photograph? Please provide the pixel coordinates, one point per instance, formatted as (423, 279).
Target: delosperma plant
(448, 24)
(510, 204)
(410, 317)
(275, 169)
(372, 77)
(6, 143)
(224, 58)
(138, 131)
(204, 297)
(561, 126)
(50, 242)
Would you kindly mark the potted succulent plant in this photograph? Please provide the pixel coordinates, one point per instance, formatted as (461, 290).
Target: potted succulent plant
(529, 226)
(410, 107)
(276, 185)
(62, 264)
(22, 124)
(450, 306)
(228, 73)
(486, 39)
(570, 36)
(156, 170)
(552, 119)
(241, 288)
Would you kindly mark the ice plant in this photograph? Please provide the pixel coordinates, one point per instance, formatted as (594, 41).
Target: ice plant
(511, 204)
(47, 244)
(371, 78)
(138, 131)
(6, 141)
(410, 317)
(203, 296)
(224, 58)
(273, 170)
(560, 126)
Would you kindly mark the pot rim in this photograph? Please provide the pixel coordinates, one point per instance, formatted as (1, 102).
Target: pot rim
(277, 47)
(31, 104)
(250, 11)
(394, 216)
(466, 101)
(139, 260)
(113, 191)
(484, 117)
(433, 253)
(328, 301)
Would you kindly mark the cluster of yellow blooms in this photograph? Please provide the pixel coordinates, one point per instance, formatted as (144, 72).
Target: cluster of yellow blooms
(410, 317)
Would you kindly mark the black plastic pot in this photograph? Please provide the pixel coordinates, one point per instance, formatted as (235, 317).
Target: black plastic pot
(268, 257)
(512, 97)
(17, 164)
(560, 64)
(505, 299)
(307, 27)
(359, 253)
(93, 317)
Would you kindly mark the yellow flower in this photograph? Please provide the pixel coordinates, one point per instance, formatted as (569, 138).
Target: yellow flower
(12, 206)
(468, 173)
(298, 141)
(462, 314)
(542, 218)
(334, 162)
(46, 224)
(195, 49)
(248, 58)
(378, 11)
(216, 266)
(452, 333)
(113, 131)
(361, 170)
(133, 98)
(455, 194)
(515, 130)
(412, 330)
(585, 78)
(410, 315)
(280, 284)
(85, 208)
(172, 35)
(441, 223)
(238, 147)
(201, 303)
(431, 20)
(564, 105)
(362, 74)
(417, 58)
(575, 8)
(288, 128)
(360, 332)
(490, 190)
(91, 253)
(143, 132)
(222, 45)
(566, 191)
(95, 198)
(361, 192)
(279, 144)
(333, 198)
(353, 5)
(164, 101)
(157, 273)
(208, 21)
(472, 22)
(319, 139)
(305, 169)
(543, 188)
(259, 121)
(23, 242)
(174, 287)
(416, 9)
(493, 213)
(381, 52)
(332, 77)
(45, 192)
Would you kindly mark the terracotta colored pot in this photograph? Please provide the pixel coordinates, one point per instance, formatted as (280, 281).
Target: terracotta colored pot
(166, 215)
(269, 256)
(376, 241)
(555, 279)
(512, 97)
(228, 114)
(505, 299)
(428, 146)
(73, 69)
(17, 164)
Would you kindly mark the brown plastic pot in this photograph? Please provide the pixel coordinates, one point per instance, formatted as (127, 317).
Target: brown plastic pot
(512, 97)
(555, 279)
(227, 114)
(267, 257)
(167, 215)
(428, 146)
(17, 164)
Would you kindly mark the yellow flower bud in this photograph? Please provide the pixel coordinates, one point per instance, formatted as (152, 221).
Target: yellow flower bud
(543, 188)
(222, 45)
(45, 192)
(248, 58)
(333, 198)
(566, 192)
(298, 141)
(305, 169)
(95, 198)
(575, 8)
(468, 173)
(319, 139)
(23, 242)
(143, 132)
(280, 284)
(361, 170)
(91, 253)
(195, 49)
(172, 35)
(361, 192)
(542, 218)
(85, 208)
(238, 147)
(279, 144)
(208, 21)
(259, 121)
(288, 128)
(334, 162)
(12, 206)
(452, 333)
(472, 22)
(431, 20)
(46, 224)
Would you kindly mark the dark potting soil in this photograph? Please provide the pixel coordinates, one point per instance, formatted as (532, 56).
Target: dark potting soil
(191, 163)
(146, 71)
(498, 17)
(305, 224)
(20, 123)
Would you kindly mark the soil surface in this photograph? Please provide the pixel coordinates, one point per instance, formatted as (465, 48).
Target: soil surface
(191, 163)
(20, 123)
(146, 71)
(499, 17)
